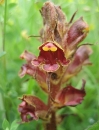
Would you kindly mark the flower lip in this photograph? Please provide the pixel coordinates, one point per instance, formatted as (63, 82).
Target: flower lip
(50, 68)
(50, 44)
(51, 57)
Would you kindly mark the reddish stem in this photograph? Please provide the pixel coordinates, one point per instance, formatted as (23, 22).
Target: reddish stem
(51, 125)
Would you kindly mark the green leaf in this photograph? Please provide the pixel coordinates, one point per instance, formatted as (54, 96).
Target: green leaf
(5, 125)
(2, 53)
(94, 126)
(14, 125)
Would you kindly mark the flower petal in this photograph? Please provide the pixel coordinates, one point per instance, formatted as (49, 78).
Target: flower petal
(36, 73)
(50, 68)
(35, 62)
(27, 69)
(26, 110)
(61, 21)
(51, 56)
(70, 96)
(82, 54)
(28, 56)
(81, 57)
(77, 32)
(32, 106)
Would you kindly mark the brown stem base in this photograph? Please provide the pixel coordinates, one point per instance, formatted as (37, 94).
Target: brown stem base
(51, 125)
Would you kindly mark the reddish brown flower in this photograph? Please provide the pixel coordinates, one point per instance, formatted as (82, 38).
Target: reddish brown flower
(33, 107)
(27, 68)
(33, 71)
(70, 96)
(51, 57)
(28, 56)
(77, 32)
(80, 58)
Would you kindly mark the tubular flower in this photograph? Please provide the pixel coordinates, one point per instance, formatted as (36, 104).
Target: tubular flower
(27, 68)
(33, 71)
(76, 33)
(50, 58)
(80, 58)
(33, 107)
(70, 96)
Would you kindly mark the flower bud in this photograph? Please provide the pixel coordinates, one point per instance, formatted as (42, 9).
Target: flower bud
(77, 32)
(70, 96)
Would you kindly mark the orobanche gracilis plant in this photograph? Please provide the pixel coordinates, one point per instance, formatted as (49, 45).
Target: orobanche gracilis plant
(60, 58)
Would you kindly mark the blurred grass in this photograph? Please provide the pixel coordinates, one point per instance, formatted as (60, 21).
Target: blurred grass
(23, 19)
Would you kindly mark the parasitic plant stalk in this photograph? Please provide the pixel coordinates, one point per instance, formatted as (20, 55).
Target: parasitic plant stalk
(60, 58)
(51, 125)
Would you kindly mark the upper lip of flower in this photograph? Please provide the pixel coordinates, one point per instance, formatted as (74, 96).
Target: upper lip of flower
(49, 47)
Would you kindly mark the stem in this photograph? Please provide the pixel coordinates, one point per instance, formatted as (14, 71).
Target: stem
(4, 57)
(4, 30)
(4, 36)
(51, 125)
